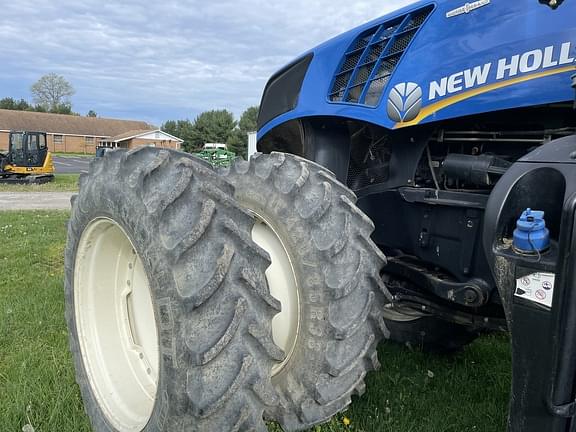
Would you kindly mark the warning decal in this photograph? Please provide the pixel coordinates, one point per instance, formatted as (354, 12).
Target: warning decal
(536, 287)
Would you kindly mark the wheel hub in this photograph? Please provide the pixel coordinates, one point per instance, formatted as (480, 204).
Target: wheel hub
(283, 286)
(116, 325)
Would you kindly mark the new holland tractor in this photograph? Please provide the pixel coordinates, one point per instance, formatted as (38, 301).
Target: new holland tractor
(416, 182)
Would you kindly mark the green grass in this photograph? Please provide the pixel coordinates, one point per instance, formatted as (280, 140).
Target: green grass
(413, 392)
(36, 377)
(61, 183)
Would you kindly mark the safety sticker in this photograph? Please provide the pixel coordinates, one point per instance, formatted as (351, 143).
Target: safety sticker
(536, 287)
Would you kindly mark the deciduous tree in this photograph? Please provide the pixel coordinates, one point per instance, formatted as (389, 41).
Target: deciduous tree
(53, 93)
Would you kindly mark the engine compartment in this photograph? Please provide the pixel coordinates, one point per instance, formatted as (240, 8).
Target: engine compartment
(426, 188)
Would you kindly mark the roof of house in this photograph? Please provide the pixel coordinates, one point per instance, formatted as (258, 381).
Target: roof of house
(142, 134)
(68, 124)
(130, 134)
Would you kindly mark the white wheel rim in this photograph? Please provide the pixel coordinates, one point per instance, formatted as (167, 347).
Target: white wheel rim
(283, 287)
(116, 325)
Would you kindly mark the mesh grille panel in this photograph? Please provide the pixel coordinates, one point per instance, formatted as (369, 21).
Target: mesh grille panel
(369, 164)
(388, 30)
(376, 89)
(364, 40)
(342, 81)
(363, 74)
(402, 41)
(387, 66)
(354, 93)
(416, 20)
(372, 58)
(376, 51)
(351, 60)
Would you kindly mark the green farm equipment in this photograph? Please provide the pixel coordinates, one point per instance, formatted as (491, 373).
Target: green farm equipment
(216, 154)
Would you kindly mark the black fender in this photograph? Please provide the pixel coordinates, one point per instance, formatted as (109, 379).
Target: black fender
(543, 335)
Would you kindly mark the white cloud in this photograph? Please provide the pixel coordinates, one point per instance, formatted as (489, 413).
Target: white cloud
(171, 59)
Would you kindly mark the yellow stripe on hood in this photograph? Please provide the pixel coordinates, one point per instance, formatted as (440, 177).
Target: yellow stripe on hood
(428, 110)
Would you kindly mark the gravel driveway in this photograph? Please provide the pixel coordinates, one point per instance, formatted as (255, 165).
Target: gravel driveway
(35, 200)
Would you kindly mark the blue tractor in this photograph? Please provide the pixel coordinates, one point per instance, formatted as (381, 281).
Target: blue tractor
(415, 182)
(449, 120)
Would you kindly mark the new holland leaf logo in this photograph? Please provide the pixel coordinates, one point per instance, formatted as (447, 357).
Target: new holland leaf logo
(404, 102)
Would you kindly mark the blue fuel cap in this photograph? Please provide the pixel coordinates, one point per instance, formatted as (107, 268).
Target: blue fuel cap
(531, 234)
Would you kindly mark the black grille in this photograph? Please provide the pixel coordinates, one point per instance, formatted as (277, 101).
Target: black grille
(417, 19)
(351, 61)
(363, 74)
(363, 40)
(372, 58)
(369, 165)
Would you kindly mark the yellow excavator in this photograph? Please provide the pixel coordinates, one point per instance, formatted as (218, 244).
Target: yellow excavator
(28, 160)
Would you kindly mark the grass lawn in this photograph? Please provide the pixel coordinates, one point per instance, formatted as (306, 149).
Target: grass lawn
(413, 392)
(61, 183)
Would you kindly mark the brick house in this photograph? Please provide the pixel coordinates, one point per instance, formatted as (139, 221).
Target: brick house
(77, 134)
(145, 137)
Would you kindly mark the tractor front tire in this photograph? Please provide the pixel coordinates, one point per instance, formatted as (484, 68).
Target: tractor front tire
(325, 272)
(167, 306)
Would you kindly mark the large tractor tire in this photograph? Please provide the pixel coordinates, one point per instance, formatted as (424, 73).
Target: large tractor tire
(325, 273)
(167, 306)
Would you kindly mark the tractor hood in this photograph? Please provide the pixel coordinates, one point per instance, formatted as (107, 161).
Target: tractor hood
(432, 61)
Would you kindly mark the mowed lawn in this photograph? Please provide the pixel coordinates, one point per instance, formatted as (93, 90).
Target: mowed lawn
(61, 183)
(413, 392)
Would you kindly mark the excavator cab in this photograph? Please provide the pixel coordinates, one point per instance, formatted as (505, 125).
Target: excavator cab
(28, 159)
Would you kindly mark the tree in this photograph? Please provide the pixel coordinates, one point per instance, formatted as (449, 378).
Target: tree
(249, 119)
(12, 104)
(22, 105)
(181, 129)
(53, 92)
(238, 142)
(64, 108)
(214, 126)
(91, 113)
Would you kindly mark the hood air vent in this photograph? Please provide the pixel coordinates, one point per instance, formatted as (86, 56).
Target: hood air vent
(372, 58)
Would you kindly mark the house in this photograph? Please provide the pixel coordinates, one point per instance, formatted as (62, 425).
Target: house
(77, 134)
(145, 137)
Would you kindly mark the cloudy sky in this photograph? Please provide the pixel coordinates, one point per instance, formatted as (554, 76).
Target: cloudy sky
(158, 60)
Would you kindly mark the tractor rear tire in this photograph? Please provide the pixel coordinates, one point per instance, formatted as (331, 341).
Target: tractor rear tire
(167, 306)
(325, 271)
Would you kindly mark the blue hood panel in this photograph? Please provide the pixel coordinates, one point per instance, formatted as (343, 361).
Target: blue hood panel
(466, 58)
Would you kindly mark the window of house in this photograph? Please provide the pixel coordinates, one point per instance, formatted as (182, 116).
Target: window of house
(89, 140)
(58, 139)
